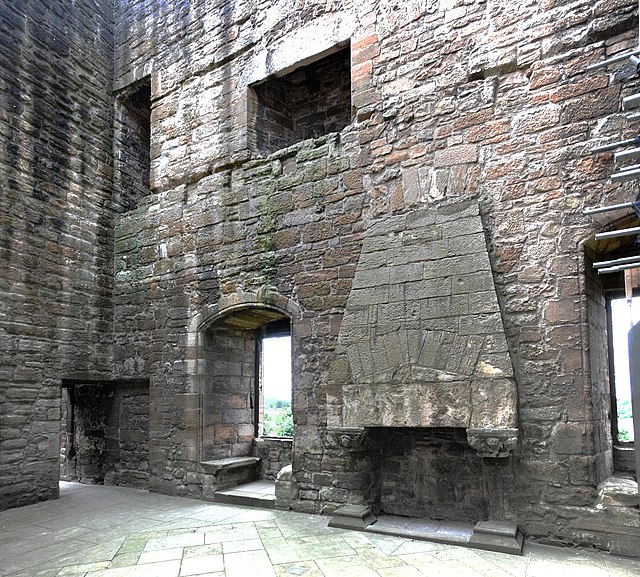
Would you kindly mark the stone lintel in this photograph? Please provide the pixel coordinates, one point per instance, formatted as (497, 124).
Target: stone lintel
(493, 442)
(500, 536)
(352, 517)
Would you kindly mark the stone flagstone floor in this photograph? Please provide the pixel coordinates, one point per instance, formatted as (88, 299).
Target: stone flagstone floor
(95, 531)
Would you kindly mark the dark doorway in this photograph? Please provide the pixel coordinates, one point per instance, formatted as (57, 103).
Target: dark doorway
(105, 433)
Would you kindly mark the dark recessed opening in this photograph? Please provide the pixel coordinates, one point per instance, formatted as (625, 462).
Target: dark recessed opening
(104, 437)
(309, 102)
(133, 145)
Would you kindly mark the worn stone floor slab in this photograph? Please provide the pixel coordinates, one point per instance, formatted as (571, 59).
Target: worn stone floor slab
(448, 533)
(94, 531)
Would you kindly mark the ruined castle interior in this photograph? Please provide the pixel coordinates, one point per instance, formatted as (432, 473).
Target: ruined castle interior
(432, 204)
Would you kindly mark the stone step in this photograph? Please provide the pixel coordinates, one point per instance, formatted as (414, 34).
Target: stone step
(256, 494)
(500, 536)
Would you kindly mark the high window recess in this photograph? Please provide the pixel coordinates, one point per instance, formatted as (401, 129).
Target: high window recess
(133, 144)
(308, 102)
(623, 314)
(275, 418)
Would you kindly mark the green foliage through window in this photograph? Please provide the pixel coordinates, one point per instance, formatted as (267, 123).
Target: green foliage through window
(625, 421)
(278, 419)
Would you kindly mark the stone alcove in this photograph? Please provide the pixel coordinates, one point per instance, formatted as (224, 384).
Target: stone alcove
(227, 339)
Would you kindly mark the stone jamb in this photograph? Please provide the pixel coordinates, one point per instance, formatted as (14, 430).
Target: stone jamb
(604, 467)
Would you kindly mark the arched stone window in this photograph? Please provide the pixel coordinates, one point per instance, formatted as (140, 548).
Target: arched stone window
(232, 387)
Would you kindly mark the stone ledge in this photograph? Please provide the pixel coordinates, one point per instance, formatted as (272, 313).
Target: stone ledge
(225, 473)
(499, 536)
(218, 466)
(618, 491)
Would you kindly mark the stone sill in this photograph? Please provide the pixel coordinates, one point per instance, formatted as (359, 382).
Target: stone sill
(331, 138)
(624, 458)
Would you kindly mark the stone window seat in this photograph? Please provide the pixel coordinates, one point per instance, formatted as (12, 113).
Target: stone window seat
(217, 466)
(231, 471)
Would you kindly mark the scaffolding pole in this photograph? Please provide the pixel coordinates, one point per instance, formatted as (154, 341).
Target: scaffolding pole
(599, 209)
(617, 233)
(632, 55)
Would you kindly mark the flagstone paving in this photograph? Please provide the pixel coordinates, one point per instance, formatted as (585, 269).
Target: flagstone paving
(95, 531)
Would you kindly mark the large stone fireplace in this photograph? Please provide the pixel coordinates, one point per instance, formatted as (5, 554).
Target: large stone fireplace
(424, 365)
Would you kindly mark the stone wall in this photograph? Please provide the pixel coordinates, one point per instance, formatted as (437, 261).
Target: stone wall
(275, 454)
(230, 396)
(451, 101)
(56, 235)
(453, 104)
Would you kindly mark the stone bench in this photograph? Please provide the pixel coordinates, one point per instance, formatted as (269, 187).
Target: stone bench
(229, 472)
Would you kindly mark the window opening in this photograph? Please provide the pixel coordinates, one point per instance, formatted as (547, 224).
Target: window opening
(309, 102)
(276, 417)
(623, 314)
(237, 352)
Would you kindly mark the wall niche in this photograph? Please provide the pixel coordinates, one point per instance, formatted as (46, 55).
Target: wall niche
(105, 433)
(307, 102)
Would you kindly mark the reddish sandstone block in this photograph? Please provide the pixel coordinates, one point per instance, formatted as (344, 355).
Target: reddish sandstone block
(544, 76)
(561, 311)
(461, 154)
(365, 54)
(225, 433)
(364, 42)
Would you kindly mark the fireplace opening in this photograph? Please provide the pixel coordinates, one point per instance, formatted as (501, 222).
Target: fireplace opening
(428, 473)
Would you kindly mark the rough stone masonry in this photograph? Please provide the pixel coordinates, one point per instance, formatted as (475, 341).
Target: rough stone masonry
(402, 184)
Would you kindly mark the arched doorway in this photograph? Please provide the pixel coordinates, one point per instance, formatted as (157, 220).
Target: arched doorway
(246, 383)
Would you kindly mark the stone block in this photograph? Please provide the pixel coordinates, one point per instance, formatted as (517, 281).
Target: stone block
(618, 492)
(460, 154)
(352, 517)
(501, 536)
(569, 438)
(625, 545)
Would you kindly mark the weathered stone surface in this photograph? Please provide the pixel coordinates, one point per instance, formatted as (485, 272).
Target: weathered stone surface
(425, 360)
(499, 536)
(618, 492)
(275, 455)
(352, 517)
(56, 227)
(375, 228)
